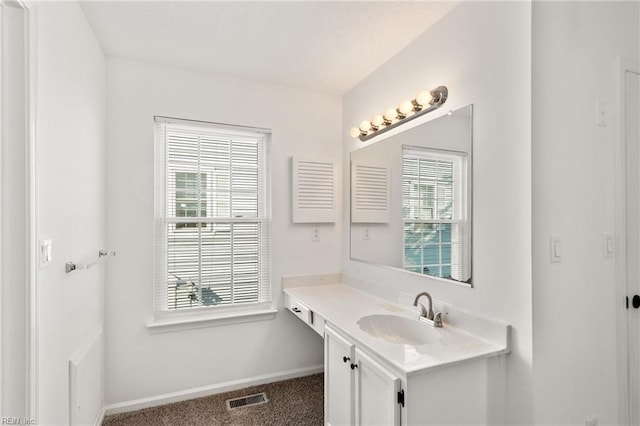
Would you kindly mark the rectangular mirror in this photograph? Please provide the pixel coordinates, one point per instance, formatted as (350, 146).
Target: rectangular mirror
(411, 199)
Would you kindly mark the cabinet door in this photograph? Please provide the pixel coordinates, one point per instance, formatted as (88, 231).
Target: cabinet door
(376, 393)
(338, 379)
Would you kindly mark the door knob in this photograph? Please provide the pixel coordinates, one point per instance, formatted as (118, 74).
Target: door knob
(346, 358)
(354, 366)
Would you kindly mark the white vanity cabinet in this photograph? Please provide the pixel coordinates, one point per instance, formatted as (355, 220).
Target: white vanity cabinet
(455, 378)
(313, 319)
(358, 389)
(362, 390)
(339, 382)
(377, 392)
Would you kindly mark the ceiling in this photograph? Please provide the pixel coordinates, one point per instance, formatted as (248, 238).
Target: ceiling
(326, 46)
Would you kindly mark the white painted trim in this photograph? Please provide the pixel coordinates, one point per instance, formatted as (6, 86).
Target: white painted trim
(621, 66)
(96, 336)
(32, 237)
(191, 322)
(29, 176)
(100, 418)
(1, 211)
(199, 392)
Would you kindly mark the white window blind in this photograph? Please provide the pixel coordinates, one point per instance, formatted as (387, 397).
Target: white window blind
(434, 210)
(212, 230)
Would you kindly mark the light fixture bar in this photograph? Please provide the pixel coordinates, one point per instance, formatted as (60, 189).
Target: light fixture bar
(425, 101)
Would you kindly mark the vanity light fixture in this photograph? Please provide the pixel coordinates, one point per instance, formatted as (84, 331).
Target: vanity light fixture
(425, 101)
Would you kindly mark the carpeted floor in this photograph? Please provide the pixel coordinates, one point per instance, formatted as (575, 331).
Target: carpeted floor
(291, 402)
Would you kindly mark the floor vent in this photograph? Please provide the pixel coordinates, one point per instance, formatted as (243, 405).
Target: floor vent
(246, 401)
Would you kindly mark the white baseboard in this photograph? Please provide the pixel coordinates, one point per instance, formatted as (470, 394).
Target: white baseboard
(167, 398)
(100, 418)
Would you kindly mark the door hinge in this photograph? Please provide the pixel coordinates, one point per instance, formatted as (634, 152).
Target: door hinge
(401, 397)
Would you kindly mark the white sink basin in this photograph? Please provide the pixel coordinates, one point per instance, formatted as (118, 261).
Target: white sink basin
(395, 329)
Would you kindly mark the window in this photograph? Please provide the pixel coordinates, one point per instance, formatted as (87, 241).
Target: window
(436, 236)
(212, 216)
(188, 197)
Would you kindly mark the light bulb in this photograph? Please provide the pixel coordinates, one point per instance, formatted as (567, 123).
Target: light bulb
(354, 132)
(377, 120)
(391, 114)
(405, 107)
(424, 98)
(365, 126)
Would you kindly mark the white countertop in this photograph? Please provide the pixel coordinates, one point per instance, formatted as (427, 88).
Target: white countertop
(343, 306)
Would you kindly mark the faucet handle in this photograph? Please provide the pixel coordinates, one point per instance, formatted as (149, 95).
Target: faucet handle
(437, 319)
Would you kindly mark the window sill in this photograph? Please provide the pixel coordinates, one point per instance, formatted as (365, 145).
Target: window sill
(167, 325)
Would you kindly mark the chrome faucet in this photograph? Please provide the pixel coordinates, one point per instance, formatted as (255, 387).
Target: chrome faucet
(426, 314)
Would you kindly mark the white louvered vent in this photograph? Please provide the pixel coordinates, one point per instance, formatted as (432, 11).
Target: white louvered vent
(314, 191)
(370, 193)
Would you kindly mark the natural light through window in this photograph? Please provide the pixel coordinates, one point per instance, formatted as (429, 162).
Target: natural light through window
(433, 197)
(212, 216)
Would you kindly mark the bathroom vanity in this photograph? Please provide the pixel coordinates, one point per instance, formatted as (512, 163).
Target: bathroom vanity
(389, 363)
(384, 367)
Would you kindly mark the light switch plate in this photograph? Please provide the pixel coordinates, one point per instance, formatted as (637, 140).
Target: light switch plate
(46, 249)
(556, 248)
(608, 245)
(601, 113)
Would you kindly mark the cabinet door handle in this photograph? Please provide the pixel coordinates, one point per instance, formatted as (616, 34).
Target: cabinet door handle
(354, 366)
(346, 358)
(296, 310)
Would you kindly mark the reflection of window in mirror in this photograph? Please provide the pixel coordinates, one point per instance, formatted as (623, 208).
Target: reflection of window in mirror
(434, 190)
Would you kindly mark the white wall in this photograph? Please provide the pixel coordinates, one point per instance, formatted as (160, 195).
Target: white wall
(575, 302)
(13, 213)
(70, 168)
(142, 365)
(482, 53)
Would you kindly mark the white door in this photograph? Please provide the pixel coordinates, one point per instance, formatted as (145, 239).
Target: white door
(338, 379)
(68, 209)
(376, 397)
(632, 145)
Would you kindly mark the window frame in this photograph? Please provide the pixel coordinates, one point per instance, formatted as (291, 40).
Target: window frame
(166, 319)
